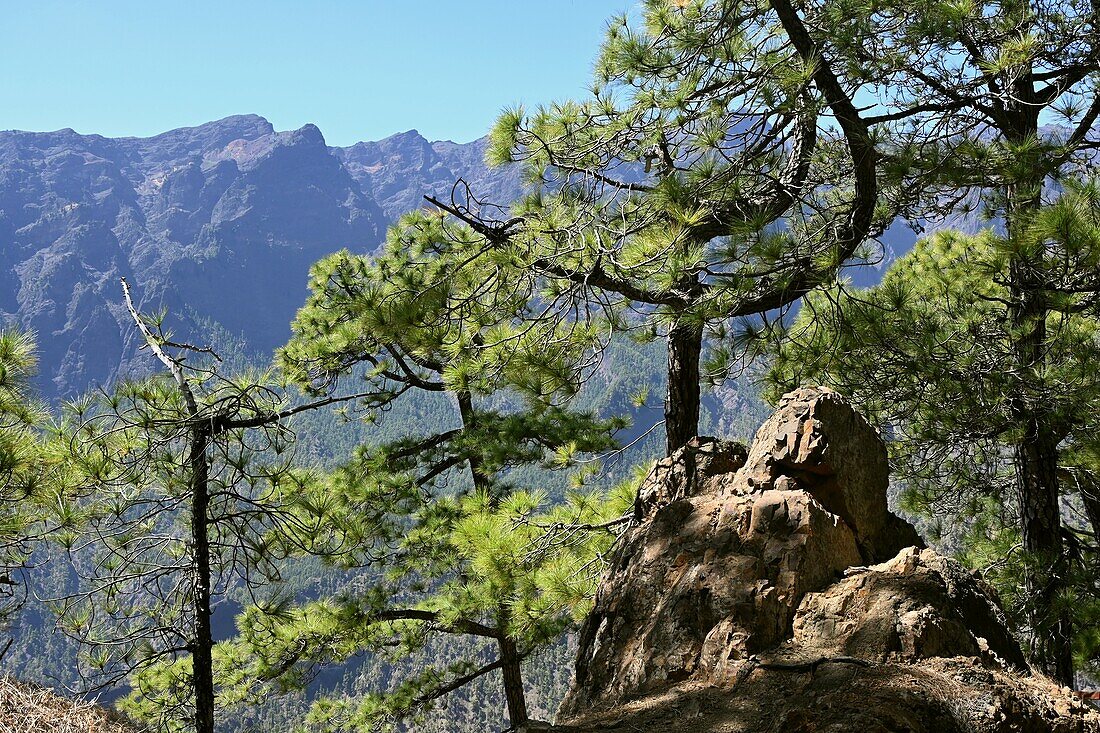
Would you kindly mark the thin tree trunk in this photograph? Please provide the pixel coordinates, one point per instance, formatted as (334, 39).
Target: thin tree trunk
(510, 670)
(469, 420)
(1035, 455)
(203, 642)
(512, 675)
(685, 346)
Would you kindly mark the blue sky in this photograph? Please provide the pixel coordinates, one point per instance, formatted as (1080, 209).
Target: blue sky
(358, 70)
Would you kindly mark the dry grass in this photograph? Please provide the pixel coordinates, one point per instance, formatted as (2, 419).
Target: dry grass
(27, 708)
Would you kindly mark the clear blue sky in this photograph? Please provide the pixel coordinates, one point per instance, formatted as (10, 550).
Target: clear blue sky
(358, 70)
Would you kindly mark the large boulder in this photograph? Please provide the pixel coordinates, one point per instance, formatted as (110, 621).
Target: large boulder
(771, 588)
(916, 606)
(815, 442)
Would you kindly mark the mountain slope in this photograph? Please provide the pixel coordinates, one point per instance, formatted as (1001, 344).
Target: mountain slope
(218, 223)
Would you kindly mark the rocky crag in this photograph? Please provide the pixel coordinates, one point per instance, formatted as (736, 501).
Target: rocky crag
(218, 223)
(771, 589)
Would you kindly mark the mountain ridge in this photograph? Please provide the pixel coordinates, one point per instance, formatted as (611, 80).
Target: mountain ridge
(218, 223)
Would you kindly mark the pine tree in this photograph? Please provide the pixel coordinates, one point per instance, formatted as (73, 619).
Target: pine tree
(172, 486)
(506, 575)
(450, 545)
(931, 353)
(985, 104)
(696, 186)
(25, 468)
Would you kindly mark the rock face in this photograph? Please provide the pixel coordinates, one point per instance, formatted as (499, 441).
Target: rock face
(816, 443)
(916, 606)
(772, 589)
(219, 223)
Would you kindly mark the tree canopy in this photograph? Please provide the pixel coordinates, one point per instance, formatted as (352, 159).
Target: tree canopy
(698, 184)
(729, 160)
(449, 543)
(26, 488)
(928, 353)
(989, 104)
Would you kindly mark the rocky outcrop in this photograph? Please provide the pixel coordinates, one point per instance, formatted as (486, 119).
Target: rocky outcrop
(771, 588)
(916, 606)
(816, 443)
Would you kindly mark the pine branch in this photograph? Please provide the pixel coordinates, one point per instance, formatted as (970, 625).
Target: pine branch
(154, 344)
(456, 683)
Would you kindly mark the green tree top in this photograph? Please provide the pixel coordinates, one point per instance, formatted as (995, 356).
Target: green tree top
(434, 310)
(981, 101)
(26, 467)
(699, 183)
(930, 353)
(446, 537)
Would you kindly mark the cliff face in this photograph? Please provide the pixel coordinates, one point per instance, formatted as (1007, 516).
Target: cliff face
(219, 223)
(770, 589)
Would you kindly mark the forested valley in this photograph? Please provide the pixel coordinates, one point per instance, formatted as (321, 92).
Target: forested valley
(381, 495)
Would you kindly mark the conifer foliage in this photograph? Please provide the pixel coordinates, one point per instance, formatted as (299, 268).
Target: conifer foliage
(696, 185)
(177, 487)
(930, 354)
(25, 468)
(731, 158)
(987, 105)
(450, 544)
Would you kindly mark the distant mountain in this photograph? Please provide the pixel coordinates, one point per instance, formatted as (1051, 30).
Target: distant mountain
(399, 171)
(218, 223)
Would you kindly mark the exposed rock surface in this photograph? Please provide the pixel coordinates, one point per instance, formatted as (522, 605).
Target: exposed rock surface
(771, 589)
(219, 223)
(915, 606)
(816, 443)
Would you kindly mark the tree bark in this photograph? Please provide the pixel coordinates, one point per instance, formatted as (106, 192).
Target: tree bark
(1041, 525)
(510, 669)
(1035, 455)
(1035, 458)
(512, 676)
(469, 420)
(685, 346)
(203, 642)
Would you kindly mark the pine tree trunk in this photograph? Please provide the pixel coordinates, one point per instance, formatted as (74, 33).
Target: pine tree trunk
(511, 671)
(203, 642)
(1036, 463)
(512, 675)
(685, 346)
(469, 419)
(1035, 456)
(1040, 520)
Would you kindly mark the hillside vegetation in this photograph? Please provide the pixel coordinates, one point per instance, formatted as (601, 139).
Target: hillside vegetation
(363, 439)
